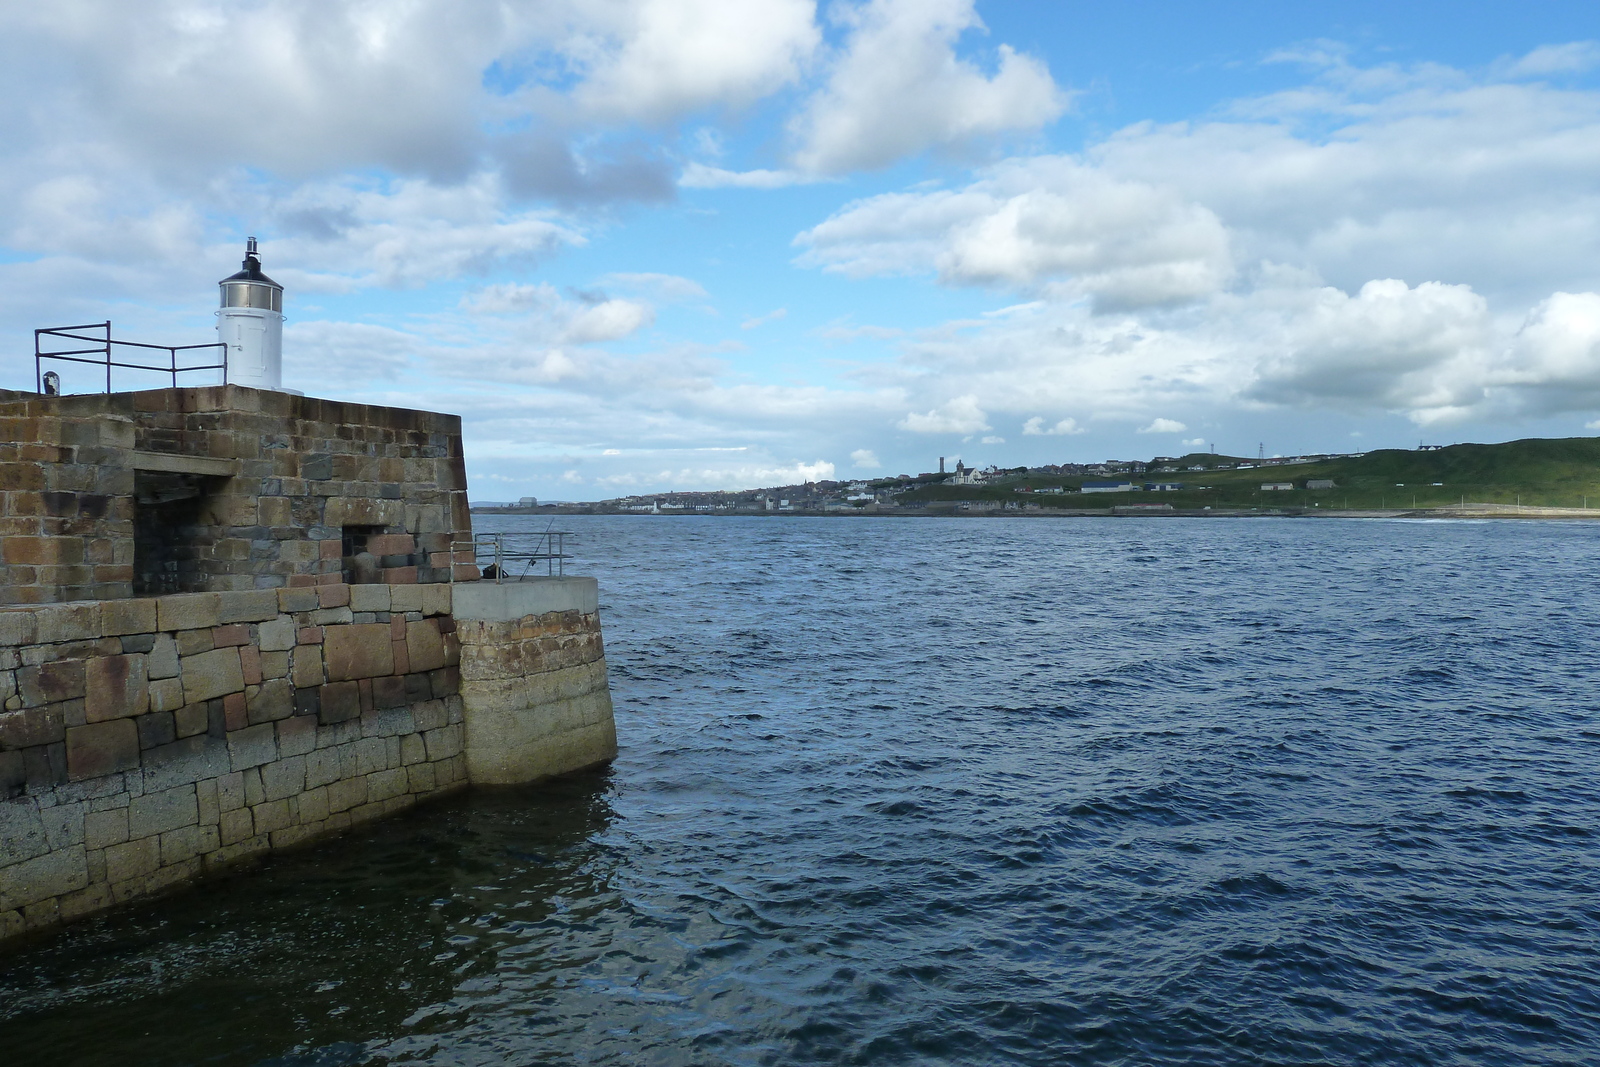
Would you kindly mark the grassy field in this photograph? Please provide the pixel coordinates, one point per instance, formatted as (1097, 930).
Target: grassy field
(1540, 472)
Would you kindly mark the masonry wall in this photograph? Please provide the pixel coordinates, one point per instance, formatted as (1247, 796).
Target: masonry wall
(533, 678)
(223, 488)
(146, 742)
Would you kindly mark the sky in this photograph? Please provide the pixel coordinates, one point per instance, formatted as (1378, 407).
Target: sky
(644, 245)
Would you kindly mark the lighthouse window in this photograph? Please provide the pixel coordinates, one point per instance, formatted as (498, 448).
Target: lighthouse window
(250, 295)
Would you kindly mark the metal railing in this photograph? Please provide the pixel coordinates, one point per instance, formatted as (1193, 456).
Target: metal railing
(98, 334)
(514, 556)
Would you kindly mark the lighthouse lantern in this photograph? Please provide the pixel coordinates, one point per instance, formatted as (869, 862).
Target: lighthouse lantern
(250, 323)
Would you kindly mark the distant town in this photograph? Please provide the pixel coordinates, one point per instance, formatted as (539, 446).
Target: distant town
(1164, 474)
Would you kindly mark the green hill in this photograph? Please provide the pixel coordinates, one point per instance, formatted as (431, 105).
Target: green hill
(1563, 472)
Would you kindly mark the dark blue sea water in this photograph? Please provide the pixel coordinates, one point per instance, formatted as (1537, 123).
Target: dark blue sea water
(959, 792)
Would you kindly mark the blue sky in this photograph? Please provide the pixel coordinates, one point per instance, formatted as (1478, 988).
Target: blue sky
(651, 244)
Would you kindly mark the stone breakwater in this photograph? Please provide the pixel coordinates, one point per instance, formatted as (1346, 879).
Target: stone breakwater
(148, 742)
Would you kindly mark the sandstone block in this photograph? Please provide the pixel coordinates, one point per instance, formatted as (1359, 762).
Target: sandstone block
(405, 598)
(270, 701)
(156, 729)
(346, 794)
(235, 712)
(166, 694)
(333, 595)
(424, 646)
(388, 692)
(236, 825)
(205, 793)
(189, 611)
(274, 665)
(58, 623)
(232, 635)
(133, 859)
(17, 628)
(412, 750)
(119, 617)
(277, 634)
(102, 748)
(369, 597)
(230, 791)
(183, 844)
(306, 670)
(50, 683)
(115, 687)
(420, 778)
(297, 599)
(253, 746)
(162, 660)
(156, 813)
(194, 642)
(340, 616)
(31, 726)
(252, 605)
(339, 701)
(358, 651)
(212, 674)
(311, 806)
(381, 785)
(436, 599)
(272, 815)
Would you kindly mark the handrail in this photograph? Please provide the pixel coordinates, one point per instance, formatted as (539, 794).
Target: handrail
(503, 551)
(104, 346)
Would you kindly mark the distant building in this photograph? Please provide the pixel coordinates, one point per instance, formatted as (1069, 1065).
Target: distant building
(528, 502)
(1268, 487)
(1110, 487)
(964, 475)
(1320, 483)
(1162, 487)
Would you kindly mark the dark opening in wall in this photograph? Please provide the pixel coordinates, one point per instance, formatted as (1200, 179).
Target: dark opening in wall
(167, 532)
(359, 565)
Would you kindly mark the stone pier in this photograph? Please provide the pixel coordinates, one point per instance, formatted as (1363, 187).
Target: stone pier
(234, 621)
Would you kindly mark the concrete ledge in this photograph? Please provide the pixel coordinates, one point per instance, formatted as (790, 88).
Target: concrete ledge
(177, 464)
(509, 601)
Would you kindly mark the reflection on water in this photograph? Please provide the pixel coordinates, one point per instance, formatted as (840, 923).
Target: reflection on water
(966, 792)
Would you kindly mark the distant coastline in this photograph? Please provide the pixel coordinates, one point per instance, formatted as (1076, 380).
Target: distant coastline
(1535, 478)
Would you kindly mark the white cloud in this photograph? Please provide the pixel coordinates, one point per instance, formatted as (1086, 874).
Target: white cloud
(864, 459)
(609, 320)
(1164, 426)
(659, 59)
(994, 440)
(762, 320)
(1028, 223)
(1574, 57)
(701, 176)
(1194, 442)
(1035, 427)
(898, 88)
(960, 415)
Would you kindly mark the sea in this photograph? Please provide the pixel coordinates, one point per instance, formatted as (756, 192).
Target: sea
(1138, 791)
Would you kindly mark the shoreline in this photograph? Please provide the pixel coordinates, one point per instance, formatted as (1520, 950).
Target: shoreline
(1470, 511)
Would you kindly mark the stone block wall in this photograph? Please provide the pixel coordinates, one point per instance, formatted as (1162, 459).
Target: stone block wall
(146, 742)
(533, 678)
(223, 488)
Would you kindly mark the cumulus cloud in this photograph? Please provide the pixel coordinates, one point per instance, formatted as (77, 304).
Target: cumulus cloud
(960, 415)
(1164, 426)
(1194, 442)
(654, 60)
(701, 176)
(991, 440)
(898, 88)
(590, 319)
(1035, 427)
(1029, 223)
(865, 459)
(662, 287)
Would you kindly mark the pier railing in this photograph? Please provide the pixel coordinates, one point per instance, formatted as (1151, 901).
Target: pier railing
(512, 556)
(106, 351)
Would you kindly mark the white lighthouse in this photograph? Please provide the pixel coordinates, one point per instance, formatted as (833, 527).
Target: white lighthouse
(251, 325)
